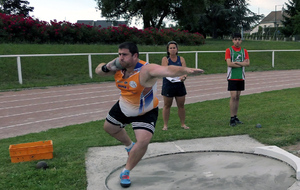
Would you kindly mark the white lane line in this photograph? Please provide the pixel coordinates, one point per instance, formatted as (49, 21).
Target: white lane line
(55, 96)
(78, 99)
(248, 79)
(189, 97)
(191, 82)
(80, 105)
(11, 126)
(249, 89)
(54, 91)
(55, 109)
(57, 118)
(187, 86)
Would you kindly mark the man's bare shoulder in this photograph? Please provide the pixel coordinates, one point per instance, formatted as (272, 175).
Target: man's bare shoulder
(151, 70)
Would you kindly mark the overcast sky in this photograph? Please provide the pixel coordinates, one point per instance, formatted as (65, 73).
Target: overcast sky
(73, 10)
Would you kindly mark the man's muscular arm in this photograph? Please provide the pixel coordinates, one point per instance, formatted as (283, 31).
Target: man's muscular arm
(110, 68)
(150, 73)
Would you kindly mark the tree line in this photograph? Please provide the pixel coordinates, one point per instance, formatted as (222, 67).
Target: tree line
(216, 18)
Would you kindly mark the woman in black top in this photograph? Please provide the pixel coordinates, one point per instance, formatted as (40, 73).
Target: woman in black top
(173, 87)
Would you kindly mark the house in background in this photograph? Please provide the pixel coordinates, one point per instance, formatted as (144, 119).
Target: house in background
(102, 23)
(275, 17)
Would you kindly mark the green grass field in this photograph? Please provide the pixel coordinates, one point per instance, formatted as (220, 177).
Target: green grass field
(276, 111)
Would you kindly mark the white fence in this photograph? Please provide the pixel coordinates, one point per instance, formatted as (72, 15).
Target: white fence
(89, 55)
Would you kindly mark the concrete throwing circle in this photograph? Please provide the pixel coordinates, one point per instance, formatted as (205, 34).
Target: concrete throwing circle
(207, 171)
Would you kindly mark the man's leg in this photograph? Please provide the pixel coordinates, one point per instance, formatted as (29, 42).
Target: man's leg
(117, 132)
(234, 106)
(234, 102)
(137, 152)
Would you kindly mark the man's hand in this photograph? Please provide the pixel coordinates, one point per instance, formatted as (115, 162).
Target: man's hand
(100, 71)
(194, 71)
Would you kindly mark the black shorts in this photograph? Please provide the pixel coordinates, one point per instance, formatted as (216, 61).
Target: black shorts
(236, 85)
(146, 121)
(170, 89)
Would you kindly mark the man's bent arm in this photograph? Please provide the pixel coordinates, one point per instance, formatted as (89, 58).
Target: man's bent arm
(103, 70)
(245, 63)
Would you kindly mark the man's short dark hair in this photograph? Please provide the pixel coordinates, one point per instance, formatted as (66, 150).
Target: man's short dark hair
(132, 47)
(236, 35)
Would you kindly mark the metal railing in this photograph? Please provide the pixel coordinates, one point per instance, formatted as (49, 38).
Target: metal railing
(147, 57)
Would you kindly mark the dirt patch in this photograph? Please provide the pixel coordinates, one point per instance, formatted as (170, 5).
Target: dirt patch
(294, 149)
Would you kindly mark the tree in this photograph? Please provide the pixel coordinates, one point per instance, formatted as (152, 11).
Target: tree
(15, 7)
(214, 17)
(223, 17)
(296, 23)
(152, 12)
(241, 16)
(291, 16)
(213, 21)
(188, 14)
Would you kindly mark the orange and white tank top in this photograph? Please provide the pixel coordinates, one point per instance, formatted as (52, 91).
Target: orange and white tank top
(135, 99)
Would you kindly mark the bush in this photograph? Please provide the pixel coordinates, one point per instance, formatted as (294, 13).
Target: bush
(17, 29)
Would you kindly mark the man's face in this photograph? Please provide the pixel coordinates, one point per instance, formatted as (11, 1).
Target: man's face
(237, 42)
(126, 58)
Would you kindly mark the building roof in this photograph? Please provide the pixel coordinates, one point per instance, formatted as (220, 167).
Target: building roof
(270, 18)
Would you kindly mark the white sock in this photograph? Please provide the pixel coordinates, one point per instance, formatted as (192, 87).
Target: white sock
(124, 170)
(130, 146)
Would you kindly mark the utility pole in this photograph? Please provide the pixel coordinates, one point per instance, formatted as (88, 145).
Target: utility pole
(276, 20)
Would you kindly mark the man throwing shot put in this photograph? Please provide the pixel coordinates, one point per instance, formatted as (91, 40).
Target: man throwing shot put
(138, 104)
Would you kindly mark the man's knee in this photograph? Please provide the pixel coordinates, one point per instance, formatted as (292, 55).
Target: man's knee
(143, 136)
(110, 128)
(235, 97)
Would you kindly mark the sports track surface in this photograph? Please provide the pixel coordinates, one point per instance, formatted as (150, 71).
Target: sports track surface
(35, 110)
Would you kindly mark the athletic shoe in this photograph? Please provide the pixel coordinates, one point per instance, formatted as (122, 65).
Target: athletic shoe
(232, 122)
(129, 149)
(125, 181)
(238, 121)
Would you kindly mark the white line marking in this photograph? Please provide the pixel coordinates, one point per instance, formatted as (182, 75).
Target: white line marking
(58, 101)
(55, 96)
(55, 91)
(40, 121)
(55, 109)
(178, 147)
(208, 174)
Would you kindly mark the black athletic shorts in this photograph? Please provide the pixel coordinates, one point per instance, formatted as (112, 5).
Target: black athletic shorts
(170, 89)
(236, 85)
(146, 121)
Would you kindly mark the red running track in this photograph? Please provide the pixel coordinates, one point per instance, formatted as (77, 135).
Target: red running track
(35, 110)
